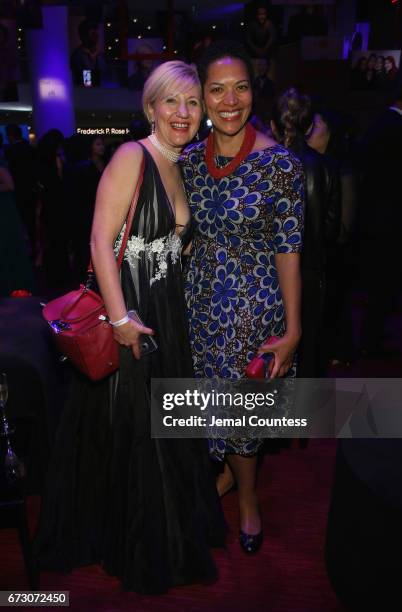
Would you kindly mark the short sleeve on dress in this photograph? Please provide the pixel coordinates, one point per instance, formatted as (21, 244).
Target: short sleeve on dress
(289, 205)
(188, 162)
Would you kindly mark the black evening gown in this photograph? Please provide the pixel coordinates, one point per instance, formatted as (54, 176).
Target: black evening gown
(147, 509)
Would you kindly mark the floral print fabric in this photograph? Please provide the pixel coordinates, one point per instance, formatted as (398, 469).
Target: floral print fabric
(232, 290)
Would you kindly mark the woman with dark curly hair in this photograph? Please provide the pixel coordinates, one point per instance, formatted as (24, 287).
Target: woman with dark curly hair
(292, 118)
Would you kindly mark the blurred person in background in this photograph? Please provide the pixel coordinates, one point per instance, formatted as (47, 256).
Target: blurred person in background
(330, 136)
(55, 211)
(263, 94)
(87, 55)
(390, 72)
(358, 75)
(380, 220)
(23, 165)
(309, 21)
(16, 273)
(143, 69)
(83, 180)
(370, 72)
(390, 67)
(261, 37)
(379, 72)
(263, 86)
(292, 118)
(200, 46)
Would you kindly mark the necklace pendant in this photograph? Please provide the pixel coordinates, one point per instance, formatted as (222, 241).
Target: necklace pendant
(218, 163)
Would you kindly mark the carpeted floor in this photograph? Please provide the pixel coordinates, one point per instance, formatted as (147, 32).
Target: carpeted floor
(288, 575)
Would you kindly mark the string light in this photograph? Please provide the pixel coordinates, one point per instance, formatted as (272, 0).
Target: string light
(149, 28)
(109, 48)
(109, 25)
(139, 36)
(135, 20)
(116, 40)
(242, 23)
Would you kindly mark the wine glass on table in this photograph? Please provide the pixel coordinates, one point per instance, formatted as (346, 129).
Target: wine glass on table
(3, 390)
(14, 468)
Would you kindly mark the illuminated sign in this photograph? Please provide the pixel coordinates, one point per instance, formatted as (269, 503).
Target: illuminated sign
(103, 131)
(52, 88)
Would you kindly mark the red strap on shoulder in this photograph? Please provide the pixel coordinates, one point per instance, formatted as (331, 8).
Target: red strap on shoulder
(129, 218)
(131, 213)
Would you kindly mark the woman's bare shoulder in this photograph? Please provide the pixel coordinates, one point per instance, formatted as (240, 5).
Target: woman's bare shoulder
(263, 141)
(125, 160)
(128, 151)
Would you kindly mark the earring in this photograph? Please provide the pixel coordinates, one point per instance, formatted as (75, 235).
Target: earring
(152, 127)
(197, 136)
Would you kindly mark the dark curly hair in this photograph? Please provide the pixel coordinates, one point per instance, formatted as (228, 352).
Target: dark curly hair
(292, 114)
(220, 49)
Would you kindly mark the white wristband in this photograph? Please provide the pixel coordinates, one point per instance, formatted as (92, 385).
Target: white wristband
(120, 321)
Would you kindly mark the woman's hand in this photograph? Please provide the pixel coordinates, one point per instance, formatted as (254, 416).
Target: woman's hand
(129, 335)
(283, 349)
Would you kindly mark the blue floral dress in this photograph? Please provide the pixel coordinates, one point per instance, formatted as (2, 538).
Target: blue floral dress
(232, 290)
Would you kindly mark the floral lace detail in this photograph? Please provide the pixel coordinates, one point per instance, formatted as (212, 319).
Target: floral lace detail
(160, 248)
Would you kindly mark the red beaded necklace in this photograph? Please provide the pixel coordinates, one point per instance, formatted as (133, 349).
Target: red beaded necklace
(245, 149)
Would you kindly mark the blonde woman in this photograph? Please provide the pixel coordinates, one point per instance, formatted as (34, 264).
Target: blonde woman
(146, 508)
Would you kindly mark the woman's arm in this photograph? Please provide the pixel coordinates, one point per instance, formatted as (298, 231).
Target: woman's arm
(288, 267)
(288, 244)
(113, 198)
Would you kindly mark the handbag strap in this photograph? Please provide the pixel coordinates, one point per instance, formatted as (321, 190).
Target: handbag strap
(76, 296)
(131, 213)
(129, 218)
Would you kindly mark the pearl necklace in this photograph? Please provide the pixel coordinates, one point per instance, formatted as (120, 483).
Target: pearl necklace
(168, 153)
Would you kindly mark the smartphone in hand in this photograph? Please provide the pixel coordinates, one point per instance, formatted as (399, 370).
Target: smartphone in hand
(147, 343)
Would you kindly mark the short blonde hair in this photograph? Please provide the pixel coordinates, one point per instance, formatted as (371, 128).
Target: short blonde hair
(168, 77)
